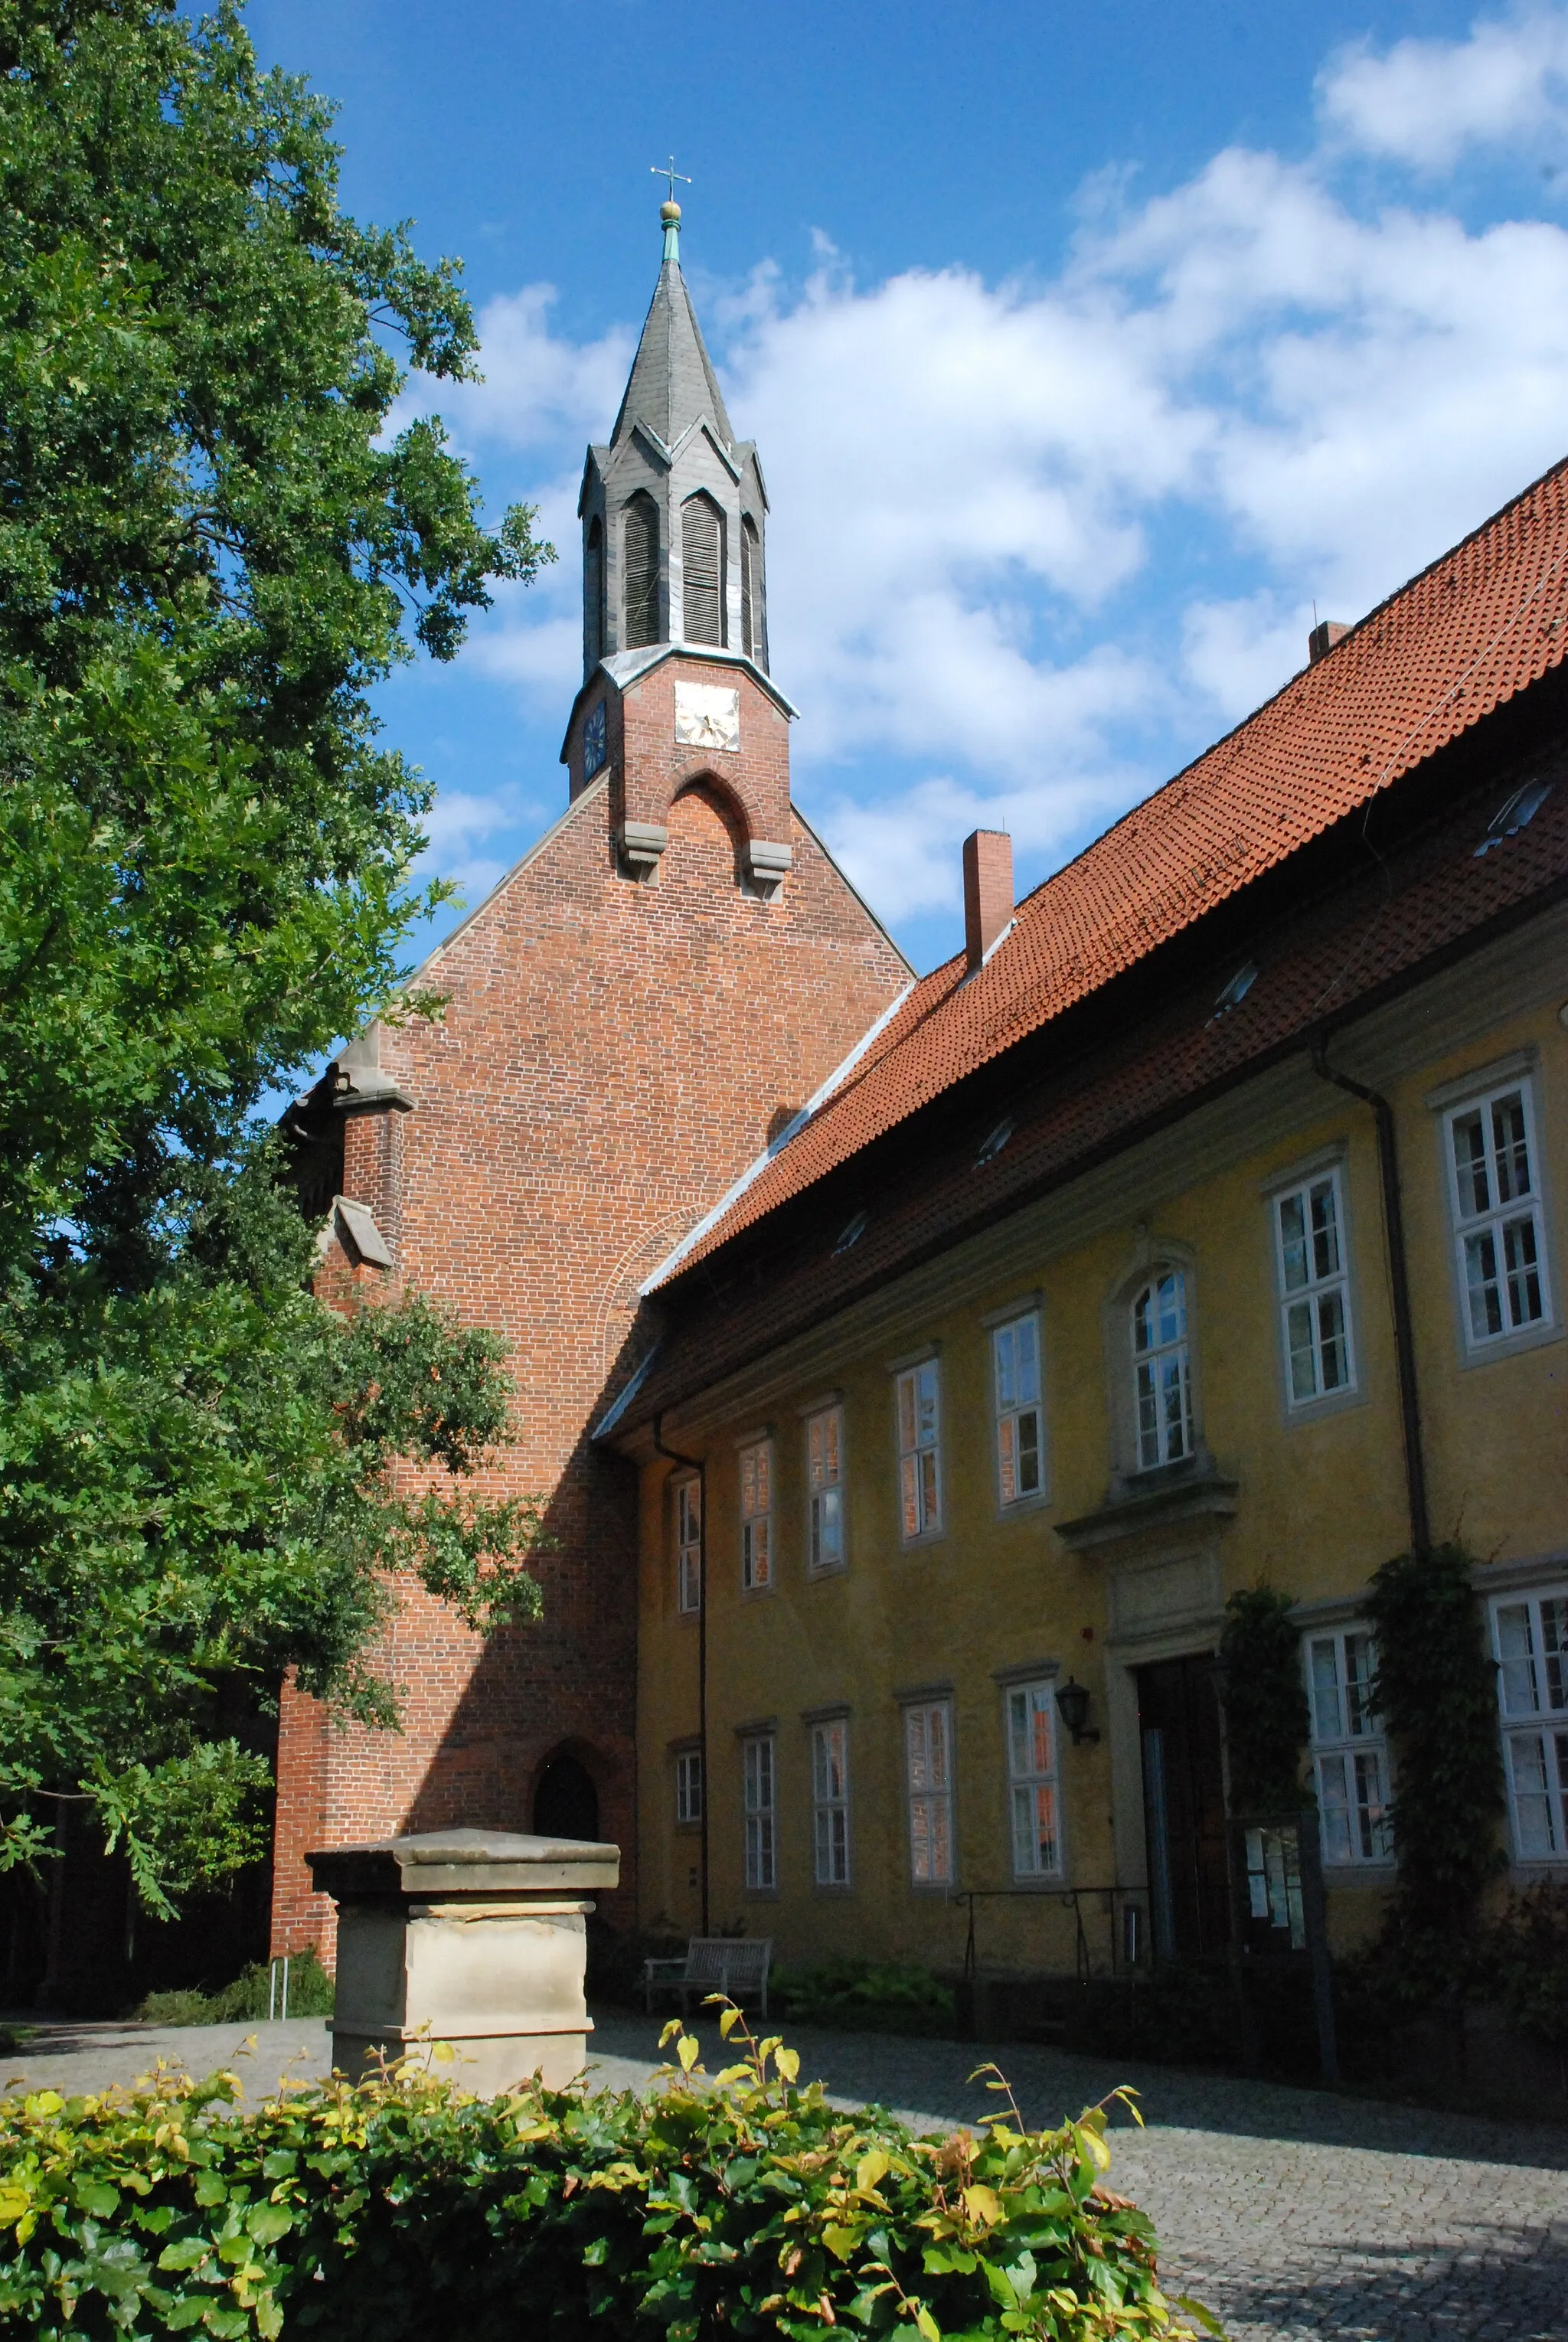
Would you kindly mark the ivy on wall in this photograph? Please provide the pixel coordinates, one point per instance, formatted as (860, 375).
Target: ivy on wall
(1435, 1688)
(1264, 1701)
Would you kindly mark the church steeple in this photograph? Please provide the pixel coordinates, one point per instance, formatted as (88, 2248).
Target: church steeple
(674, 509)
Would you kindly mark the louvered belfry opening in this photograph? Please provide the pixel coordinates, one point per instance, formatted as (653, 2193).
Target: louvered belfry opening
(593, 592)
(703, 571)
(642, 571)
(752, 640)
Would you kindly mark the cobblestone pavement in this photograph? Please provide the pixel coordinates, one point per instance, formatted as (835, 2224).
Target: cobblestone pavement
(1291, 2213)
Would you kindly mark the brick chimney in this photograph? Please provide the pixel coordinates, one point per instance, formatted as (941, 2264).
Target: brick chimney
(988, 891)
(1324, 636)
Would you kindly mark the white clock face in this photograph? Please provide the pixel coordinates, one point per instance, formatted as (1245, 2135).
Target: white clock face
(593, 740)
(708, 716)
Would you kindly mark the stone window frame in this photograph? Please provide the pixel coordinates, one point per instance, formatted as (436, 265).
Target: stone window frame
(906, 1373)
(1292, 1178)
(928, 1701)
(819, 1410)
(1151, 1255)
(1480, 1088)
(759, 1811)
(1040, 1679)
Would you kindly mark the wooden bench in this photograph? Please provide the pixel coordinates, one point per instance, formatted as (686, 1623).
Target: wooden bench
(734, 1966)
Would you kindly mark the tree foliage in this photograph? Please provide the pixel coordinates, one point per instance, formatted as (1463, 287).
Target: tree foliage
(1436, 1690)
(216, 537)
(1265, 1705)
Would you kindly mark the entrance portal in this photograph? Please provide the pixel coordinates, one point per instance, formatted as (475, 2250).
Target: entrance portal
(1184, 1807)
(565, 1803)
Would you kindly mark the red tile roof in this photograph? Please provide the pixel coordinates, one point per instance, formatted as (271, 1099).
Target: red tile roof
(1478, 627)
(1328, 960)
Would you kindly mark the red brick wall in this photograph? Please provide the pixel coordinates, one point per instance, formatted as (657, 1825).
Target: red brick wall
(651, 766)
(611, 1056)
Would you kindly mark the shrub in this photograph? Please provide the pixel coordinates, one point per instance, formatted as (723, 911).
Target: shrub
(744, 2206)
(1526, 1964)
(864, 1995)
(310, 1994)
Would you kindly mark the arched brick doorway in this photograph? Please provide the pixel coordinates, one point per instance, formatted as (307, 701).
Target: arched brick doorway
(565, 1800)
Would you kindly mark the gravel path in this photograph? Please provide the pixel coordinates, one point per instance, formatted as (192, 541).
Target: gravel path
(1292, 2213)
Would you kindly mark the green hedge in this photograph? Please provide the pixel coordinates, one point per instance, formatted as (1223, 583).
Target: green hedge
(744, 2206)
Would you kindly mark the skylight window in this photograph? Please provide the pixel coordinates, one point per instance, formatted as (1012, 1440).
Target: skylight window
(1236, 991)
(994, 1141)
(851, 1232)
(1512, 814)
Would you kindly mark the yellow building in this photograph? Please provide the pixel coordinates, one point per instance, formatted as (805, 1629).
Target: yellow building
(1200, 1225)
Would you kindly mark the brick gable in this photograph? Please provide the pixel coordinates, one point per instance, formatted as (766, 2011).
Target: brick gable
(611, 1055)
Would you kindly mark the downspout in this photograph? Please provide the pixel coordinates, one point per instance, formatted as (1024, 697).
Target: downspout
(1399, 1292)
(696, 1465)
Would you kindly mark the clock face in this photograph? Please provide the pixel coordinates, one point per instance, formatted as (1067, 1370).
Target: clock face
(707, 716)
(593, 740)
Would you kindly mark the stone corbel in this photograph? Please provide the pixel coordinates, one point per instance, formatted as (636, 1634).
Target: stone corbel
(766, 865)
(642, 842)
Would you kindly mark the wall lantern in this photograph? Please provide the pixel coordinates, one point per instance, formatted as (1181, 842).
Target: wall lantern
(1073, 1699)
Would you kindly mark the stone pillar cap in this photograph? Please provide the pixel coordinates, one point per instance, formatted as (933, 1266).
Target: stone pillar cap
(463, 1862)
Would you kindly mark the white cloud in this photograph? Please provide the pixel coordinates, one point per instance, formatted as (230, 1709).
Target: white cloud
(1032, 542)
(1423, 102)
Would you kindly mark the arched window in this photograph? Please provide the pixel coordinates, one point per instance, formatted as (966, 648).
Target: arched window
(642, 571)
(593, 594)
(702, 570)
(1162, 1371)
(751, 637)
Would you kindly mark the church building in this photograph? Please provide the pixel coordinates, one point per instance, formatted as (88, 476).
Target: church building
(639, 1011)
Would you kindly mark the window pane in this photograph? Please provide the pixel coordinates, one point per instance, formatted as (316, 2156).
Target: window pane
(1358, 1673)
(1470, 1165)
(1326, 1230)
(1554, 1650)
(1333, 1802)
(1292, 1242)
(1534, 1821)
(1029, 1452)
(1517, 1650)
(1332, 1344)
(1481, 1280)
(1303, 1356)
(928, 1488)
(1510, 1147)
(907, 1411)
(1326, 1711)
(1523, 1271)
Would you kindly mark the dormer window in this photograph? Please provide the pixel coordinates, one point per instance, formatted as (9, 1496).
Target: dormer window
(641, 570)
(703, 571)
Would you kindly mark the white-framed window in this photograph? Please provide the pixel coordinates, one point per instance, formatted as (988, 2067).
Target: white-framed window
(689, 1545)
(824, 1487)
(1035, 1812)
(920, 1450)
(1349, 1757)
(1020, 1426)
(928, 1762)
(1499, 1236)
(757, 1515)
(689, 1786)
(1161, 1370)
(758, 1774)
(1315, 1289)
(830, 1801)
(1529, 1639)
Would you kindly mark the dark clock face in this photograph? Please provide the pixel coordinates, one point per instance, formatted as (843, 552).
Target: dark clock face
(594, 737)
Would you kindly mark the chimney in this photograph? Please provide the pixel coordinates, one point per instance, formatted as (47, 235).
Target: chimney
(1324, 636)
(988, 891)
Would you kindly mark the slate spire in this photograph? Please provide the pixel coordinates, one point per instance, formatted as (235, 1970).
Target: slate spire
(672, 384)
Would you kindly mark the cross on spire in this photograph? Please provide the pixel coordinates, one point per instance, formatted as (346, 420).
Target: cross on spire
(668, 171)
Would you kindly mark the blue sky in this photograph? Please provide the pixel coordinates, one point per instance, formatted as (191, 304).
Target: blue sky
(1087, 350)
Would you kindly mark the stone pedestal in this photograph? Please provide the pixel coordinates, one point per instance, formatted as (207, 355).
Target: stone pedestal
(477, 1938)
